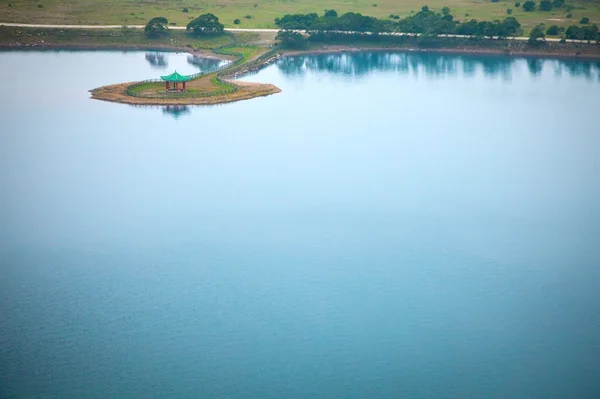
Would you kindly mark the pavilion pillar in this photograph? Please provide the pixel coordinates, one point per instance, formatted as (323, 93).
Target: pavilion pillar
(183, 86)
(167, 85)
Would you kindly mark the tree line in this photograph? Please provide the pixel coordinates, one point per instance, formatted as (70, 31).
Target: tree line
(426, 22)
(205, 24)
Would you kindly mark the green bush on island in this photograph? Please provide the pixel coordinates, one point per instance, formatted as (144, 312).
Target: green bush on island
(157, 27)
(205, 24)
(584, 20)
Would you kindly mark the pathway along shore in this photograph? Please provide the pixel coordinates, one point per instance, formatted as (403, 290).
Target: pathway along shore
(517, 38)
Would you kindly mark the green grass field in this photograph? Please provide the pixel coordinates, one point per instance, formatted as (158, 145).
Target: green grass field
(260, 13)
(106, 37)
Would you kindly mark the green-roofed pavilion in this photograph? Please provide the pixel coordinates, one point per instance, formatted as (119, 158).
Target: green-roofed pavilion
(175, 78)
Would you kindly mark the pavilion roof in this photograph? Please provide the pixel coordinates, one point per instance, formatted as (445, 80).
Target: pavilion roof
(175, 77)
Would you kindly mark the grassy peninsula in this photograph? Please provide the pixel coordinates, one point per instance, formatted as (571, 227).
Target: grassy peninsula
(209, 88)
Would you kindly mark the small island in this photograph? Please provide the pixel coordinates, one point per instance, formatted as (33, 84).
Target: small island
(203, 88)
(198, 89)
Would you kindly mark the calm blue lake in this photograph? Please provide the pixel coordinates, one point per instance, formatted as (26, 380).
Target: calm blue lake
(391, 225)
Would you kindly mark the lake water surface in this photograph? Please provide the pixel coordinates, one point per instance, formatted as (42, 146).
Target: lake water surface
(389, 225)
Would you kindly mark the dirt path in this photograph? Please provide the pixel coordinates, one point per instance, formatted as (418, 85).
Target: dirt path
(520, 38)
(118, 27)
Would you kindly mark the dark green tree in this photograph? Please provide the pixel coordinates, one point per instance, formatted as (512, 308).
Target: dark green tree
(205, 24)
(296, 21)
(510, 27)
(529, 6)
(584, 20)
(331, 14)
(537, 34)
(575, 32)
(291, 39)
(157, 27)
(545, 5)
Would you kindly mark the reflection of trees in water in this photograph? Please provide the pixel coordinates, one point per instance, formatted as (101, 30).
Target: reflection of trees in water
(205, 64)
(157, 60)
(361, 64)
(535, 66)
(176, 111)
(578, 68)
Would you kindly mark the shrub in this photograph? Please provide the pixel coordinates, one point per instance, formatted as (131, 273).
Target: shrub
(584, 20)
(374, 4)
(333, 14)
(509, 11)
(248, 17)
(495, 1)
(157, 27)
(40, 6)
(518, 4)
(553, 30)
(569, 15)
(205, 24)
(536, 34)
(558, 3)
(185, 9)
(291, 39)
(425, 8)
(236, 21)
(545, 5)
(255, 5)
(529, 6)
